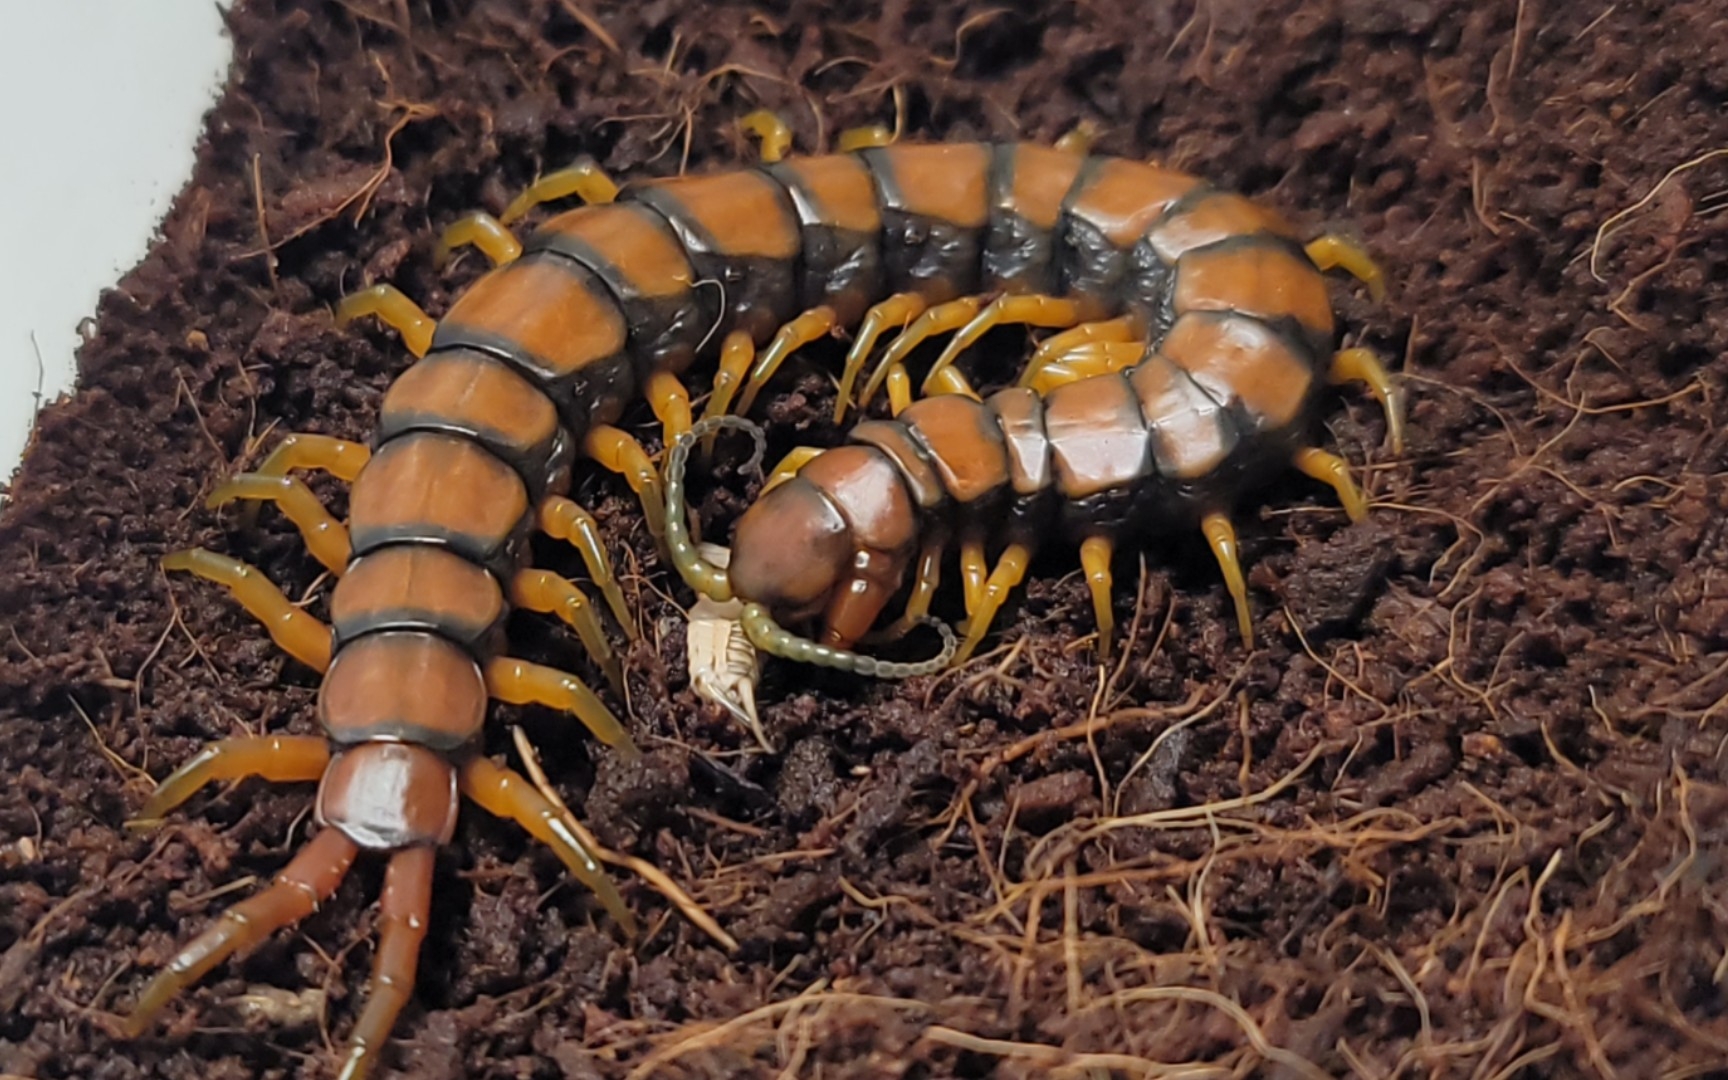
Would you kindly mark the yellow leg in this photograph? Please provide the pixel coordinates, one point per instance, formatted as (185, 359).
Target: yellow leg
(299, 633)
(1095, 554)
(1331, 252)
(737, 353)
(393, 306)
(859, 138)
(789, 466)
(325, 537)
(307, 881)
(796, 334)
(899, 309)
(549, 594)
(938, 320)
(1033, 310)
(298, 450)
(280, 759)
(974, 570)
(563, 519)
(1222, 536)
(950, 381)
(1078, 139)
(671, 404)
(1010, 570)
(583, 179)
(521, 682)
(899, 389)
(1085, 361)
(770, 131)
(619, 452)
(1361, 365)
(484, 232)
(1053, 347)
(505, 793)
(923, 589)
(1334, 472)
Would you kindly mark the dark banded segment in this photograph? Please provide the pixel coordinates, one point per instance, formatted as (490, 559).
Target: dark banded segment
(635, 251)
(1028, 185)
(429, 488)
(403, 686)
(418, 587)
(1261, 375)
(935, 206)
(740, 232)
(557, 322)
(841, 264)
(468, 393)
(1266, 277)
(964, 443)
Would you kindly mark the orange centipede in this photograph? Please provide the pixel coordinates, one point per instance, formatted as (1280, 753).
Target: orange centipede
(532, 367)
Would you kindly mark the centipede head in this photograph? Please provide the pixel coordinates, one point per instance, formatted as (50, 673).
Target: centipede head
(834, 541)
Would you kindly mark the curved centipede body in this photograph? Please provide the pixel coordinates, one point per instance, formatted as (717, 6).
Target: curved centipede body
(534, 364)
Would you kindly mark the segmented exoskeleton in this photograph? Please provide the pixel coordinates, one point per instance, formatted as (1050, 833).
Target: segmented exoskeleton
(533, 366)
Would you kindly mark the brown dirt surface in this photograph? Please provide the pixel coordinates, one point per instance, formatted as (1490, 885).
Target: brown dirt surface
(1457, 815)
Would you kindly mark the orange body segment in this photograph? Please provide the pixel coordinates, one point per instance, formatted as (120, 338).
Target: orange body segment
(555, 317)
(1239, 359)
(1268, 280)
(947, 183)
(389, 795)
(403, 685)
(1214, 216)
(1122, 199)
(440, 488)
(1042, 178)
(965, 444)
(417, 586)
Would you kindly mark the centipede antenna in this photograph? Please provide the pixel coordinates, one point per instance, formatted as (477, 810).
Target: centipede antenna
(700, 574)
(776, 640)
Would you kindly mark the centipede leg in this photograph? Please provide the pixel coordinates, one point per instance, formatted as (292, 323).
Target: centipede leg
(397, 311)
(937, 320)
(1095, 555)
(801, 331)
(505, 793)
(584, 179)
(280, 759)
(482, 230)
(670, 402)
(307, 881)
(737, 353)
(771, 133)
(1009, 572)
(549, 594)
(1029, 310)
(403, 908)
(1334, 472)
(564, 519)
(1221, 535)
(1052, 348)
(1332, 252)
(1078, 139)
(901, 309)
(619, 452)
(860, 138)
(1086, 361)
(521, 682)
(1361, 365)
(302, 450)
(325, 537)
(923, 590)
(299, 633)
(789, 465)
(974, 571)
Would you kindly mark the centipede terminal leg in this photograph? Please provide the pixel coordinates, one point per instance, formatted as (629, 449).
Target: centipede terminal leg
(1221, 537)
(565, 519)
(299, 633)
(550, 594)
(507, 794)
(391, 305)
(1095, 555)
(1334, 472)
(584, 179)
(307, 881)
(403, 910)
(280, 759)
(619, 452)
(898, 310)
(481, 230)
(522, 682)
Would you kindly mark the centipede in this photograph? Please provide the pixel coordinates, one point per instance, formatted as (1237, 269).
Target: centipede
(532, 367)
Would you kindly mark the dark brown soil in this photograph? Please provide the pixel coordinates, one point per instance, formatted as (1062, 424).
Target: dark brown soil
(1458, 814)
